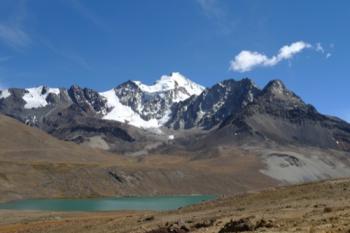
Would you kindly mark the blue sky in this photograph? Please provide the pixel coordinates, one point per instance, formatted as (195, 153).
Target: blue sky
(100, 44)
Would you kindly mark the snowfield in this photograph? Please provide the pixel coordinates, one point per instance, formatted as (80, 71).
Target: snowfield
(4, 94)
(126, 114)
(35, 98)
(123, 113)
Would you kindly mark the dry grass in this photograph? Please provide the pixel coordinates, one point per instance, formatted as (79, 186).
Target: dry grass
(34, 164)
(318, 207)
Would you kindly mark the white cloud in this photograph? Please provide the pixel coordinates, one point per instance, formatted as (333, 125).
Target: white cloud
(247, 60)
(288, 51)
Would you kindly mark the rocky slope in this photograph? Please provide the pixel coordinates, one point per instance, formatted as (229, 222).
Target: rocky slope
(278, 115)
(213, 105)
(34, 164)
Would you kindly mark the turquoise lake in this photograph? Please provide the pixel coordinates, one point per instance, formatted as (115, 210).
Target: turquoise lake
(160, 203)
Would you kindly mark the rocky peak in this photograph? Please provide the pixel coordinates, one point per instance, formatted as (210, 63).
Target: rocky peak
(44, 90)
(88, 99)
(245, 89)
(275, 86)
(276, 100)
(214, 104)
(155, 101)
(276, 91)
(128, 92)
(128, 85)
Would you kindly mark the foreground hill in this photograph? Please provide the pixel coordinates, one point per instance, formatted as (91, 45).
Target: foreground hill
(317, 207)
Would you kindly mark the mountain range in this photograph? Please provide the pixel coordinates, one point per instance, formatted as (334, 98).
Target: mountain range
(174, 108)
(167, 137)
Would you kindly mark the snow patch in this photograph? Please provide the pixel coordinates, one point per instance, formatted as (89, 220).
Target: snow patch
(165, 118)
(171, 137)
(125, 114)
(4, 94)
(36, 97)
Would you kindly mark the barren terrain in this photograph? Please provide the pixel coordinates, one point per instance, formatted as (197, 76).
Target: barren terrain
(34, 164)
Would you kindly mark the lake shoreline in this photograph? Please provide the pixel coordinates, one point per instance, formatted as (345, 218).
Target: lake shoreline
(140, 203)
(313, 207)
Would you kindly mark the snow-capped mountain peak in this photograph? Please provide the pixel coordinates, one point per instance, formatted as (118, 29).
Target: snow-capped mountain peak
(132, 102)
(36, 97)
(171, 82)
(148, 106)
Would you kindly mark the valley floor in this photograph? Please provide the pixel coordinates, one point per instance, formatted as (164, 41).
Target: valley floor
(316, 207)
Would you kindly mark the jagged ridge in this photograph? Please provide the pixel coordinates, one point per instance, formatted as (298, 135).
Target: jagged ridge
(236, 110)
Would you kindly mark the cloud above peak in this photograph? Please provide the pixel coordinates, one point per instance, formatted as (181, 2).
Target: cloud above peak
(248, 60)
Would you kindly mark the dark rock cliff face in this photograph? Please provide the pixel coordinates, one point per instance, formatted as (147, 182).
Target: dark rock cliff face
(214, 105)
(87, 99)
(147, 105)
(72, 124)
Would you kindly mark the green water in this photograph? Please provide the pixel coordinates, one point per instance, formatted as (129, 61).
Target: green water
(159, 203)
